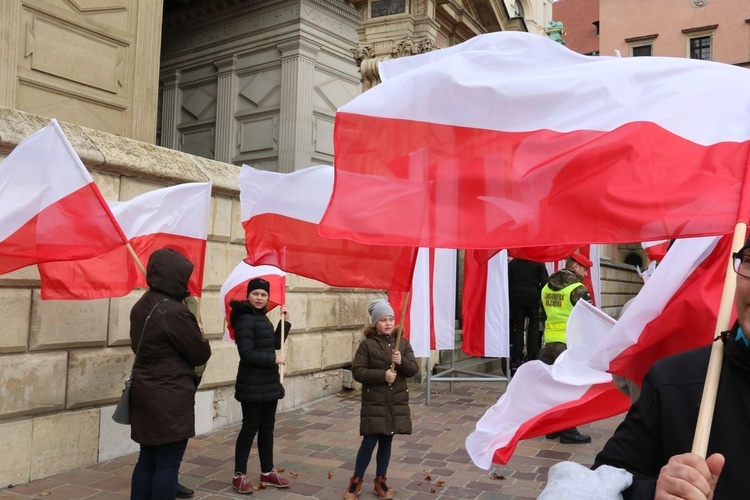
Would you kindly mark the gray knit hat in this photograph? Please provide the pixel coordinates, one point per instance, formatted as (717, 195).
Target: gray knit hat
(378, 309)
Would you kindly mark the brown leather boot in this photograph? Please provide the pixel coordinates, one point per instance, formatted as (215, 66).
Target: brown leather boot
(381, 489)
(355, 486)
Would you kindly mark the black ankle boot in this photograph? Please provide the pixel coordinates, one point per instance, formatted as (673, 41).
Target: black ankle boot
(184, 491)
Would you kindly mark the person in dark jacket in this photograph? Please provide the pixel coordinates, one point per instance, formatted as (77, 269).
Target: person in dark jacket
(385, 396)
(258, 387)
(654, 441)
(525, 281)
(163, 392)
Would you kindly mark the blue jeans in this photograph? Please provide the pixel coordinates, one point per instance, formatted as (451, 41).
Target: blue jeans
(155, 473)
(364, 455)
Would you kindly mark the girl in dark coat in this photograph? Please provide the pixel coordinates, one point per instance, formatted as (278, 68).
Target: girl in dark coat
(258, 387)
(385, 396)
(163, 392)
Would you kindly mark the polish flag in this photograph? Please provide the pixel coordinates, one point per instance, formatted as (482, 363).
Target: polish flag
(485, 310)
(174, 217)
(280, 214)
(235, 288)
(430, 322)
(50, 207)
(525, 132)
(542, 399)
(656, 250)
(676, 309)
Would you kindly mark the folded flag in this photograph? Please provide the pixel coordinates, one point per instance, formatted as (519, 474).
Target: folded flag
(525, 132)
(175, 217)
(235, 288)
(50, 207)
(542, 399)
(280, 214)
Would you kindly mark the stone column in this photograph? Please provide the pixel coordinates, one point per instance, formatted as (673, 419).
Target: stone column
(296, 122)
(225, 95)
(146, 71)
(9, 40)
(171, 99)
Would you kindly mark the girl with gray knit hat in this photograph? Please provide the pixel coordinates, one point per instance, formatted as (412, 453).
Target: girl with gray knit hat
(385, 397)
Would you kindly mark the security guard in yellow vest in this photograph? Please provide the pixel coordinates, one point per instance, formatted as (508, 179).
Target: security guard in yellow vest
(561, 293)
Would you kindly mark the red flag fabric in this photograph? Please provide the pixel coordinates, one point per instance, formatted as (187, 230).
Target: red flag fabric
(235, 288)
(676, 309)
(430, 321)
(485, 309)
(50, 207)
(174, 217)
(525, 133)
(543, 399)
(656, 250)
(280, 214)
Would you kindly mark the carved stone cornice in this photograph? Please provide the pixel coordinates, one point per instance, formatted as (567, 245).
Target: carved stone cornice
(368, 59)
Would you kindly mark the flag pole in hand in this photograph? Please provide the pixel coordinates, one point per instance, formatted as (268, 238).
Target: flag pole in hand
(283, 351)
(401, 325)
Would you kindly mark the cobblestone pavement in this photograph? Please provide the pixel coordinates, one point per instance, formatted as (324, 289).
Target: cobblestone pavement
(316, 445)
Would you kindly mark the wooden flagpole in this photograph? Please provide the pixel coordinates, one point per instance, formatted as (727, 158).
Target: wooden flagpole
(283, 351)
(136, 259)
(708, 400)
(401, 325)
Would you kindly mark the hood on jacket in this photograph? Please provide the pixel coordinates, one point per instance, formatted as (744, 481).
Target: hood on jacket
(243, 307)
(169, 271)
(563, 278)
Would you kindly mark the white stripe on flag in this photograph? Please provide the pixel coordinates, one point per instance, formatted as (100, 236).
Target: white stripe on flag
(419, 311)
(444, 298)
(496, 312)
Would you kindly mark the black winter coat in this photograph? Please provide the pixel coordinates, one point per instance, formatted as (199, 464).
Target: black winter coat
(385, 408)
(162, 397)
(662, 422)
(258, 374)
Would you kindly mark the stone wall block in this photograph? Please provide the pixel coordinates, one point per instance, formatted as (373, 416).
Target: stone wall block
(322, 312)
(304, 353)
(97, 376)
(213, 321)
(353, 308)
(301, 284)
(220, 224)
(237, 234)
(119, 317)
(297, 305)
(57, 324)
(218, 265)
(114, 438)
(15, 467)
(25, 277)
(204, 412)
(32, 383)
(224, 177)
(15, 306)
(337, 349)
(221, 368)
(63, 442)
(108, 184)
(310, 387)
(227, 410)
(131, 187)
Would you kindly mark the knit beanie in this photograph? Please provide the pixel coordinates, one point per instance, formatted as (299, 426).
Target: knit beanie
(378, 309)
(258, 283)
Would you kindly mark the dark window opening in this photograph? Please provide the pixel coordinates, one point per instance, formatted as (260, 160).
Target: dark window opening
(700, 48)
(642, 51)
(634, 260)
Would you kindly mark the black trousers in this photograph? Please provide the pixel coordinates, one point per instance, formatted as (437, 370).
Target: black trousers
(257, 418)
(518, 314)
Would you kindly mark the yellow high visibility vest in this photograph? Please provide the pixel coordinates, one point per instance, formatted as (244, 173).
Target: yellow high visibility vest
(557, 307)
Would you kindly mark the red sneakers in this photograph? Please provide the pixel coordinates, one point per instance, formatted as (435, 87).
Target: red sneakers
(273, 479)
(242, 484)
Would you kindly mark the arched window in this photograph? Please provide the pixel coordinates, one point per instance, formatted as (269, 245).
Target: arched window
(634, 260)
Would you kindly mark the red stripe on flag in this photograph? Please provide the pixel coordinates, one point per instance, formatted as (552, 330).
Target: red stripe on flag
(530, 182)
(473, 305)
(76, 226)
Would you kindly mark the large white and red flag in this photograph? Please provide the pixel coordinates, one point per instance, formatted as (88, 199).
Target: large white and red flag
(235, 288)
(484, 306)
(543, 399)
(280, 214)
(656, 250)
(430, 319)
(175, 217)
(676, 309)
(525, 132)
(50, 207)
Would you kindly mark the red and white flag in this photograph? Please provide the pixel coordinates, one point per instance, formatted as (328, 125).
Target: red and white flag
(235, 288)
(280, 214)
(485, 309)
(175, 217)
(50, 207)
(676, 309)
(525, 132)
(542, 399)
(656, 250)
(430, 322)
